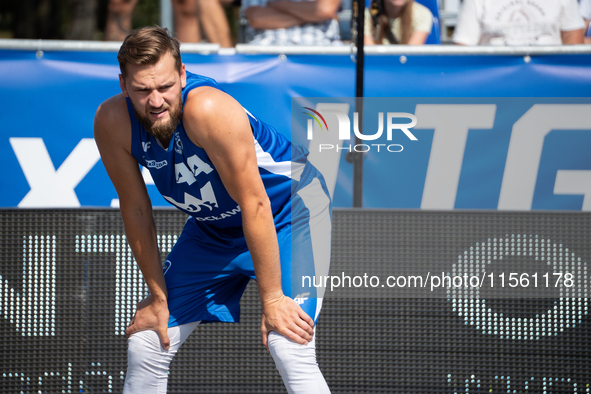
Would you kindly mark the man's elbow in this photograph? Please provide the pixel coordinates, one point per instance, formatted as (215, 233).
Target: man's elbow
(256, 207)
(134, 209)
(264, 204)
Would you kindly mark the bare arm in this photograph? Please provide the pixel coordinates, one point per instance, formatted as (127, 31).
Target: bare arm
(418, 38)
(368, 40)
(230, 146)
(309, 11)
(119, 18)
(572, 36)
(264, 18)
(215, 23)
(113, 137)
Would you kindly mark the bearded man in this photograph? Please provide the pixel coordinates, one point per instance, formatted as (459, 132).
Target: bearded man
(249, 194)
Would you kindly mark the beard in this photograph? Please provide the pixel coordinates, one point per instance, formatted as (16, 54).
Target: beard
(162, 130)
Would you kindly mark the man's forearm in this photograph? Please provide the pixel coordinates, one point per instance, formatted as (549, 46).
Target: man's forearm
(267, 18)
(308, 11)
(261, 238)
(572, 36)
(140, 231)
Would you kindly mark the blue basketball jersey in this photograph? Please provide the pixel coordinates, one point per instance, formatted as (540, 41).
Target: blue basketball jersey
(186, 177)
(210, 264)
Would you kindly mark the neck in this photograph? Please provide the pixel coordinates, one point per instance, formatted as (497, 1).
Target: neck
(165, 141)
(393, 11)
(162, 136)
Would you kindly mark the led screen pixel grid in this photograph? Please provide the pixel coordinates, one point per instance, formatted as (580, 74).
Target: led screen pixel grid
(69, 285)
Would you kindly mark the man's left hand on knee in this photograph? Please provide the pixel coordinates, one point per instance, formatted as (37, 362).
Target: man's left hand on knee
(284, 316)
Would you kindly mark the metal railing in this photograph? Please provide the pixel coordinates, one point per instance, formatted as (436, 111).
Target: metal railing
(104, 46)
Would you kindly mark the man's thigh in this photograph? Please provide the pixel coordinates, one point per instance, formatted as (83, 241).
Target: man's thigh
(202, 279)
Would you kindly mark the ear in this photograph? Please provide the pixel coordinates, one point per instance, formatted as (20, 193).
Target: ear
(183, 76)
(122, 85)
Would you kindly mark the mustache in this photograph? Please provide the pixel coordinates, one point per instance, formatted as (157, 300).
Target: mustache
(163, 129)
(161, 108)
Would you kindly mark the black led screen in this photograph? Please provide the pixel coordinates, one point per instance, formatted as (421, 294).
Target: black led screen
(69, 285)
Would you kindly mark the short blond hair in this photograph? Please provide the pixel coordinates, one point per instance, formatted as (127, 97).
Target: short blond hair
(146, 46)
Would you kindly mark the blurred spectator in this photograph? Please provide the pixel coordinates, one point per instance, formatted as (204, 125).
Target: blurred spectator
(397, 22)
(291, 22)
(214, 21)
(585, 8)
(510, 22)
(35, 18)
(190, 16)
(119, 16)
(83, 19)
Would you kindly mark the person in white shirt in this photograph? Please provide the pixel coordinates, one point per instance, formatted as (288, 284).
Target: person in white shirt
(585, 8)
(519, 22)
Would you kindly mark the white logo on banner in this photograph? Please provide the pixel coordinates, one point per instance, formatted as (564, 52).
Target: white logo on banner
(53, 188)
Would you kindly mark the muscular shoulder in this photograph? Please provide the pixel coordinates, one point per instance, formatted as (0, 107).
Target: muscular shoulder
(208, 108)
(205, 101)
(111, 120)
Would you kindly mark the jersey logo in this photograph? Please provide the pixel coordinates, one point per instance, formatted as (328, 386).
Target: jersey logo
(166, 266)
(195, 167)
(193, 204)
(146, 146)
(178, 145)
(300, 298)
(156, 164)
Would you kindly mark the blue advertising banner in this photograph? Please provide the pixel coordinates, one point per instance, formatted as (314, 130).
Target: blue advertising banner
(508, 153)
(492, 132)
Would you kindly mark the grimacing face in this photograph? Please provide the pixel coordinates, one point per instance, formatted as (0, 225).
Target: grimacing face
(155, 91)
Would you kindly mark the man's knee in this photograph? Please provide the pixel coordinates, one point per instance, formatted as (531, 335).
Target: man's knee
(144, 352)
(147, 364)
(297, 365)
(291, 357)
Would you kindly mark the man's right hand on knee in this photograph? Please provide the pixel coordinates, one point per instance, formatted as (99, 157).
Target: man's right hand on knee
(151, 315)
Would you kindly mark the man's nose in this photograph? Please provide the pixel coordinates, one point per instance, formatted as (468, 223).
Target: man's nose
(155, 99)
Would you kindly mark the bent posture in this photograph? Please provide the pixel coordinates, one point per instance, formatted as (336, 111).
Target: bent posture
(249, 193)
